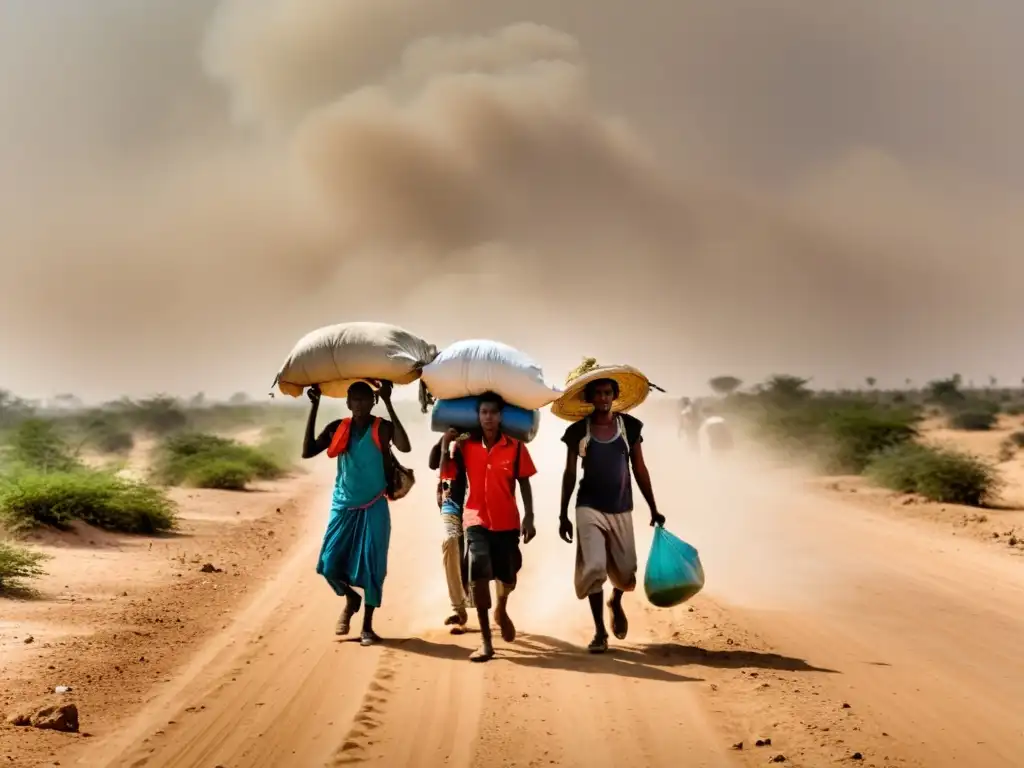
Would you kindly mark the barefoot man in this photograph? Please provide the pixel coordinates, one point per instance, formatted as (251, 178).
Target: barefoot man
(494, 464)
(355, 546)
(605, 549)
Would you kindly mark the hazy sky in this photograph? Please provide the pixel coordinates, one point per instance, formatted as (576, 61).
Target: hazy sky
(730, 186)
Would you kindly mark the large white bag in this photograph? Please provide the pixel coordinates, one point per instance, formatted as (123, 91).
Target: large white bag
(337, 355)
(469, 368)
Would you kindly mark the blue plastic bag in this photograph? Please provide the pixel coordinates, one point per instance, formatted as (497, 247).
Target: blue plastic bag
(674, 573)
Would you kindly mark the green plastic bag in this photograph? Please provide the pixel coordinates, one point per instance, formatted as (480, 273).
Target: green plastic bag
(674, 573)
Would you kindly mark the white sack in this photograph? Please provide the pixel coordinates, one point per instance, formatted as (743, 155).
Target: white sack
(714, 435)
(469, 368)
(337, 355)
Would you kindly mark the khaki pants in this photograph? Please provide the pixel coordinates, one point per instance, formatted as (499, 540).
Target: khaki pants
(605, 550)
(452, 557)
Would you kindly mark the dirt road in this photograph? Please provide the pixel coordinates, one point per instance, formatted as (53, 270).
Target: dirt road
(830, 630)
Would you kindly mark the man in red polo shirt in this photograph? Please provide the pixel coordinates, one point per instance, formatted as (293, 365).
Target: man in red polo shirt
(494, 464)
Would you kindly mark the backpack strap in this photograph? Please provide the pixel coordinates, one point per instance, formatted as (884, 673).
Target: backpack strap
(620, 424)
(339, 443)
(625, 436)
(343, 434)
(585, 441)
(376, 433)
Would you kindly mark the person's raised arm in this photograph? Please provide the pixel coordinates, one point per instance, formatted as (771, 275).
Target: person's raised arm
(643, 480)
(435, 456)
(446, 454)
(311, 445)
(568, 486)
(399, 438)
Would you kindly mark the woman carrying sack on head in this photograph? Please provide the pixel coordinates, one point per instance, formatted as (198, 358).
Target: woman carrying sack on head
(355, 547)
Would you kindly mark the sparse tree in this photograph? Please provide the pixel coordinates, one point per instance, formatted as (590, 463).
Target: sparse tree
(946, 391)
(239, 398)
(785, 388)
(724, 385)
(13, 409)
(871, 381)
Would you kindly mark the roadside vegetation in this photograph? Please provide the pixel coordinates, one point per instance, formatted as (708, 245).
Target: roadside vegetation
(877, 433)
(18, 565)
(48, 477)
(203, 460)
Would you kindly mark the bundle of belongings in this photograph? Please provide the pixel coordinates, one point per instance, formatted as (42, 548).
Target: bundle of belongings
(336, 356)
(467, 369)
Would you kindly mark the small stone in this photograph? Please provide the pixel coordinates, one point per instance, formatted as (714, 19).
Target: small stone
(29, 640)
(856, 756)
(846, 706)
(62, 717)
(210, 568)
(738, 746)
(779, 759)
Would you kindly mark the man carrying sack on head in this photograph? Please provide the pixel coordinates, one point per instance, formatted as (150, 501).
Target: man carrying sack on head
(495, 465)
(608, 441)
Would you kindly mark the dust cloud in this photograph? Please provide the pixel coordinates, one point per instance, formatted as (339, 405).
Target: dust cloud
(697, 189)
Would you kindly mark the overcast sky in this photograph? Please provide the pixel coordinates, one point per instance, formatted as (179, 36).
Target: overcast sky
(697, 188)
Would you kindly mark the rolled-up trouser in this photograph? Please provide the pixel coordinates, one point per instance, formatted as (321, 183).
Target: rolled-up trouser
(605, 550)
(453, 555)
(493, 555)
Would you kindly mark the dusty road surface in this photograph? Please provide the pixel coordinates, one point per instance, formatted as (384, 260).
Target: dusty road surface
(841, 635)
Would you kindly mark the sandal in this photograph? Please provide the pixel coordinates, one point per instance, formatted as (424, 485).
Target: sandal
(620, 624)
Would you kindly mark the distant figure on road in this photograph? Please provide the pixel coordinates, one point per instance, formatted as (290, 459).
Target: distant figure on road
(495, 463)
(689, 422)
(714, 436)
(355, 547)
(451, 496)
(608, 443)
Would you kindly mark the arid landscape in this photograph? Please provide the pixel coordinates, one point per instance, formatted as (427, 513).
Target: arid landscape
(804, 216)
(841, 621)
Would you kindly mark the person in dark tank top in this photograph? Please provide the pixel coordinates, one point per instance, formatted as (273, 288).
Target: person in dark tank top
(608, 445)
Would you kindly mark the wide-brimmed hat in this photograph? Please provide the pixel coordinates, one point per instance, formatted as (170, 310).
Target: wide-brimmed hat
(633, 389)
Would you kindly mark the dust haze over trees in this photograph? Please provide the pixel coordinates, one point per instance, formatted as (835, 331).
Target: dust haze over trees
(216, 176)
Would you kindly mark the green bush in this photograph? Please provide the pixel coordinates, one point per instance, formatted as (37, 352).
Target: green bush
(839, 434)
(938, 474)
(106, 432)
(975, 417)
(224, 474)
(40, 445)
(855, 434)
(158, 416)
(29, 499)
(17, 565)
(209, 461)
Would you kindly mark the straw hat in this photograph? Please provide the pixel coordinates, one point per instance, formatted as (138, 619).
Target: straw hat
(633, 389)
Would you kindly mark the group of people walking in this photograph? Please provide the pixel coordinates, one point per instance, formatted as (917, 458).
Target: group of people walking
(483, 527)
